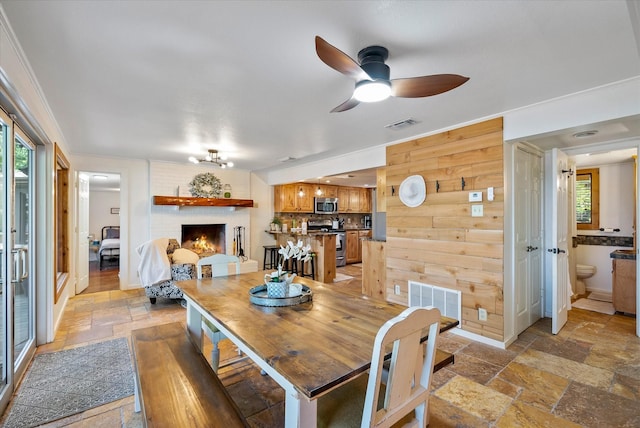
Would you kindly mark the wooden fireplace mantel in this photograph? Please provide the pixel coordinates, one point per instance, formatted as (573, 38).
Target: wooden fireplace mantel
(190, 201)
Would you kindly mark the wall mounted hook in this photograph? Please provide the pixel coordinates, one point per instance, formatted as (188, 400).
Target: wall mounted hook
(437, 186)
(463, 183)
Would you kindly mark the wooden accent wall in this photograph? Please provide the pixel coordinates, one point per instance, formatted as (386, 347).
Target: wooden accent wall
(439, 243)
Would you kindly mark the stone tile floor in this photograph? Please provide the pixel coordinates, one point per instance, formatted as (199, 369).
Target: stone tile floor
(587, 375)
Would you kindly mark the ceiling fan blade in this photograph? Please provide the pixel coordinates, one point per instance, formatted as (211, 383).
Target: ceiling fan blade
(347, 105)
(425, 86)
(339, 60)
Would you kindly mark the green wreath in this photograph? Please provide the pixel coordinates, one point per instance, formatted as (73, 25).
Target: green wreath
(205, 185)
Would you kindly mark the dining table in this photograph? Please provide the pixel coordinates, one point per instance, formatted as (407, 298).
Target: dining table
(308, 348)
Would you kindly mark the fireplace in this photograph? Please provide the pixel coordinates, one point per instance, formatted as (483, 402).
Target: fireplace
(204, 239)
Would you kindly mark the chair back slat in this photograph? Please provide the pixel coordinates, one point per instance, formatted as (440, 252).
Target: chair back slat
(410, 371)
(219, 265)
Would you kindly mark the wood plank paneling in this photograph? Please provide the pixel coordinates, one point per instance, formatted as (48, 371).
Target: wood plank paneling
(439, 243)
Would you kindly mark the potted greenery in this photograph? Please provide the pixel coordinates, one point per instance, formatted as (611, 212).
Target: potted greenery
(276, 224)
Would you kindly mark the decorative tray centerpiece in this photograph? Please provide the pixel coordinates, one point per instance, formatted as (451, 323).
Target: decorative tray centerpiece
(296, 294)
(278, 288)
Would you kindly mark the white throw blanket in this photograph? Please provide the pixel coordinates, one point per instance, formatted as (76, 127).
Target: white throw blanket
(154, 264)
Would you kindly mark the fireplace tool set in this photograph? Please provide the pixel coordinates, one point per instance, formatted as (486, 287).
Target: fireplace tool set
(239, 242)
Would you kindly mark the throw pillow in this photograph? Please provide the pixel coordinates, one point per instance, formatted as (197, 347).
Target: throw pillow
(182, 256)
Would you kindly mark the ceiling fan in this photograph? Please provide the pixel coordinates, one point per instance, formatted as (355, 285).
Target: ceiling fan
(372, 76)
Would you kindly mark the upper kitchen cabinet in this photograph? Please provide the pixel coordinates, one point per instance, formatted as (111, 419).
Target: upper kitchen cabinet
(326, 191)
(365, 200)
(354, 200)
(297, 198)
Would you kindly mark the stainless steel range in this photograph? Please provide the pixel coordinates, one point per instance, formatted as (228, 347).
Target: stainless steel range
(341, 249)
(341, 238)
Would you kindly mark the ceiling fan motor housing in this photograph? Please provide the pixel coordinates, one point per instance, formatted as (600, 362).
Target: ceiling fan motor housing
(372, 60)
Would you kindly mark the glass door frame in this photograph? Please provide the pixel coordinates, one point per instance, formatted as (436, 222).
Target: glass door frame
(15, 366)
(22, 360)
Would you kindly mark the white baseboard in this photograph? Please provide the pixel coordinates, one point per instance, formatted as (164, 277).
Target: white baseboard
(477, 338)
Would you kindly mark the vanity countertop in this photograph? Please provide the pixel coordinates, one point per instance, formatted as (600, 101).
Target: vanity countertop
(623, 254)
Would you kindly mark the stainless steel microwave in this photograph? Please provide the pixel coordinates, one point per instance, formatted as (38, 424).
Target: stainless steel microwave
(325, 205)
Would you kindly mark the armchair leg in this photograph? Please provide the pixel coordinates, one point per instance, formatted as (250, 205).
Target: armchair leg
(152, 300)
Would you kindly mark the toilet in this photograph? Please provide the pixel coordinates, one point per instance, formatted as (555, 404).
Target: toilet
(583, 272)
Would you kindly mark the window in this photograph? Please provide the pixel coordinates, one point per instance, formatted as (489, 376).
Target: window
(62, 222)
(588, 199)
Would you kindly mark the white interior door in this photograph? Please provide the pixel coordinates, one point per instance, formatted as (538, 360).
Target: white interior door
(83, 234)
(558, 240)
(528, 237)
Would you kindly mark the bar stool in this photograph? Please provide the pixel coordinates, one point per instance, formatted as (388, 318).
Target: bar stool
(313, 267)
(270, 254)
(291, 266)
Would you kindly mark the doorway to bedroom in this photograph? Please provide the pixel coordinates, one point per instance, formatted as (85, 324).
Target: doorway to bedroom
(99, 222)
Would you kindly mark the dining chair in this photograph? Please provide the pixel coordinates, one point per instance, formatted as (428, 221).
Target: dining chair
(219, 264)
(370, 402)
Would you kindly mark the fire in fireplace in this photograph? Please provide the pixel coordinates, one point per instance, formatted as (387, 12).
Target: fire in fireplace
(204, 239)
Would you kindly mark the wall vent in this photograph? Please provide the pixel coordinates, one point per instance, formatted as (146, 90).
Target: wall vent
(401, 124)
(448, 301)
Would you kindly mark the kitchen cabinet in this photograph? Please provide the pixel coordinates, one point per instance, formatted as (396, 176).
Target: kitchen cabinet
(353, 245)
(297, 197)
(624, 285)
(365, 200)
(328, 191)
(354, 200)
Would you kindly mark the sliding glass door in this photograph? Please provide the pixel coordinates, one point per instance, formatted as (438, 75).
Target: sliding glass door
(17, 232)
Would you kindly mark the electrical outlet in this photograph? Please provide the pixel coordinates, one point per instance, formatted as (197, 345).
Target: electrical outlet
(477, 210)
(482, 314)
(396, 289)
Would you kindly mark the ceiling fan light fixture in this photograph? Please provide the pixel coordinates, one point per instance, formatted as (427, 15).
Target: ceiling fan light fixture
(371, 91)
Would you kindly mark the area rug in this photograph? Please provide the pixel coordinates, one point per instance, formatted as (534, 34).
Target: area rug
(341, 277)
(594, 305)
(63, 383)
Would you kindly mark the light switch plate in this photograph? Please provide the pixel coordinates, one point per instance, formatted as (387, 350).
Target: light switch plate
(490, 194)
(475, 196)
(396, 289)
(477, 210)
(482, 314)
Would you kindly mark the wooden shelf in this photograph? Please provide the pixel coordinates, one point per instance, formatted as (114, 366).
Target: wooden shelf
(188, 201)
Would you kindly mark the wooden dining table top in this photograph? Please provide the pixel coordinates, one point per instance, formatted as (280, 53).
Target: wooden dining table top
(315, 345)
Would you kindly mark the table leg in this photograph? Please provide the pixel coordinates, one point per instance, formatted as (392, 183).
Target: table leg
(194, 324)
(299, 412)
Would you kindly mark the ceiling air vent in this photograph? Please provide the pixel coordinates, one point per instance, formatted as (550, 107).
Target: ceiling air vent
(287, 159)
(401, 124)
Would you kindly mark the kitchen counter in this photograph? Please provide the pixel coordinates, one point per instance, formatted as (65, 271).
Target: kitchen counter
(322, 243)
(623, 254)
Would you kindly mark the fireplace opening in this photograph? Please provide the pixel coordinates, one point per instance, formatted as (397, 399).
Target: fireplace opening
(204, 239)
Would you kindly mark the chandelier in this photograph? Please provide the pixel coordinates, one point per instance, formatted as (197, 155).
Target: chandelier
(213, 157)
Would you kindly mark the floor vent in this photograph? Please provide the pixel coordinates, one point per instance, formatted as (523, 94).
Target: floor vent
(448, 301)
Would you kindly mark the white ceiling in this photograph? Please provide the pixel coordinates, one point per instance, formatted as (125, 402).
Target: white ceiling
(167, 80)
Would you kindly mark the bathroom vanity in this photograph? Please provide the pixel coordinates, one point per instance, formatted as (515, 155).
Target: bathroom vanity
(624, 280)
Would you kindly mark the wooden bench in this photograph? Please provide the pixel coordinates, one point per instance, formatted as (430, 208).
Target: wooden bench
(175, 386)
(443, 359)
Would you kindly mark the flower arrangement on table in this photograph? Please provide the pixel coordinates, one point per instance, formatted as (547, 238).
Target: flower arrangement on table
(278, 282)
